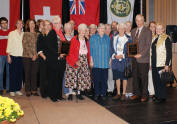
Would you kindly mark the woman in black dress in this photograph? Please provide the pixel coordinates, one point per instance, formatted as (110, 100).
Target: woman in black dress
(47, 48)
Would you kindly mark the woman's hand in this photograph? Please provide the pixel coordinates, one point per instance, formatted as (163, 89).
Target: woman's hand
(62, 55)
(166, 68)
(9, 60)
(110, 62)
(34, 58)
(91, 62)
(118, 56)
(78, 63)
(137, 56)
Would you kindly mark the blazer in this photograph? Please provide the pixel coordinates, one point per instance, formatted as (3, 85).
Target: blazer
(145, 39)
(73, 55)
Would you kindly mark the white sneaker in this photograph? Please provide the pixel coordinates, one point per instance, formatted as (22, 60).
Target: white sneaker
(12, 93)
(19, 93)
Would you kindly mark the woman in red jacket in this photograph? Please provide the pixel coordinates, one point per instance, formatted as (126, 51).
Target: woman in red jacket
(77, 67)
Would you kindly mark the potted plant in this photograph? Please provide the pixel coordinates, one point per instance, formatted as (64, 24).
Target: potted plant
(10, 111)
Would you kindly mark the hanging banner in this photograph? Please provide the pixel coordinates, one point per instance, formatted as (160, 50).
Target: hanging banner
(85, 11)
(120, 10)
(45, 9)
(11, 10)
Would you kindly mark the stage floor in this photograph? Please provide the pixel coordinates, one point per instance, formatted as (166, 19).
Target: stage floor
(145, 113)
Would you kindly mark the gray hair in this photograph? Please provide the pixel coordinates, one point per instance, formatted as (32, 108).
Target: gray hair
(82, 27)
(56, 19)
(101, 25)
(92, 26)
(122, 25)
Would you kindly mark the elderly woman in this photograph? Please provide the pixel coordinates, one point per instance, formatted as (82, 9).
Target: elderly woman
(15, 51)
(87, 34)
(57, 26)
(128, 28)
(77, 73)
(119, 55)
(47, 47)
(161, 55)
(93, 29)
(30, 58)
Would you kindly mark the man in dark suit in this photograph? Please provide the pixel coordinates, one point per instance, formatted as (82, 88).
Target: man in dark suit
(143, 37)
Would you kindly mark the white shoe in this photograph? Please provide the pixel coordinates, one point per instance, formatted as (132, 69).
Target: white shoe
(19, 93)
(12, 93)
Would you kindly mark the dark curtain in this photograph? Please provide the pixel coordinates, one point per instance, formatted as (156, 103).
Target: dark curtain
(136, 11)
(103, 11)
(26, 13)
(65, 11)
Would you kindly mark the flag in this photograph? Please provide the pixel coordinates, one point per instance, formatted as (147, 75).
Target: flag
(120, 10)
(11, 10)
(45, 9)
(85, 11)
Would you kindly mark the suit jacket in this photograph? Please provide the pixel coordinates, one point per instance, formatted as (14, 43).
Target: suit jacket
(73, 55)
(145, 39)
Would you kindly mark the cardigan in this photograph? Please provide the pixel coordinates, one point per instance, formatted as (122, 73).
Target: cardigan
(73, 55)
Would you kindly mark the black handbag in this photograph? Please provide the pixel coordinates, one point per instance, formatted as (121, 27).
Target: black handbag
(128, 69)
(167, 77)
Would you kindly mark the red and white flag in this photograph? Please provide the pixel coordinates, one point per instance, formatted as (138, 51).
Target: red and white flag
(45, 9)
(11, 10)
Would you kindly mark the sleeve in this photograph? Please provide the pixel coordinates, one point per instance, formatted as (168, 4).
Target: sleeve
(112, 51)
(39, 45)
(91, 48)
(53, 46)
(9, 43)
(168, 45)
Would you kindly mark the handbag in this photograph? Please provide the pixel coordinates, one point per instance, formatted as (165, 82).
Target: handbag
(167, 77)
(118, 65)
(128, 69)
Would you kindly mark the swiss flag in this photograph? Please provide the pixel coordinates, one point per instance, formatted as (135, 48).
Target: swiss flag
(85, 11)
(45, 9)
(11, 10)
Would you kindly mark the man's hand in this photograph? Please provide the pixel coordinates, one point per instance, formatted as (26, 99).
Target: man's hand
(137, 56)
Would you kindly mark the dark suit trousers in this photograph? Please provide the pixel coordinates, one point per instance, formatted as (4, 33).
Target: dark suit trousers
(140, 78)
(31, 69)
(159, 86)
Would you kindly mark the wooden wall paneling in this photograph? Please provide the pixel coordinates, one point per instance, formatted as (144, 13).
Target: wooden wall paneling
(155, 10)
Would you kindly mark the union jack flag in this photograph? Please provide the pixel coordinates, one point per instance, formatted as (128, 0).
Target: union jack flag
(72, 4)
(81, 7)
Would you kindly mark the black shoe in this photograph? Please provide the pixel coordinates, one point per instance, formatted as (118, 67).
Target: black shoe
(79, 97)
(103, 98)
(160, 100)
(154, 98)
(53, 100)
(96, 97)
(70, 97)
(35, 94)
(109, 94)
(28, 94)
(60, 98)
(1, 92)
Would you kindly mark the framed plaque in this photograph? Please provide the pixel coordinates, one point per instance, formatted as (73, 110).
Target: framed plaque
(133, 49)
(64, 47)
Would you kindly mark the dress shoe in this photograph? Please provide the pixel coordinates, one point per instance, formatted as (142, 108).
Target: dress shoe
(35, 94)
(53, 100)
(19, 93)
(160, 100)
(144, 99)
(103, 98)
(117, 97)
(134, 97)
(28, 94)
(79, 97)
(109, 93)
(70, 97)
(96, 97)
(60, 99)
(123, 98)
(12, 93)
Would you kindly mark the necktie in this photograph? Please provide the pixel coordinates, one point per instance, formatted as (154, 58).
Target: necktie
(137, 36)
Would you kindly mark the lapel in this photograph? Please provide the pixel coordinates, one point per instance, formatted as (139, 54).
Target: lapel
(141, 34)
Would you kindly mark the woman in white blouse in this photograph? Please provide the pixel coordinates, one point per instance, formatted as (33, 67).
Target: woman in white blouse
(118, 52)
(15, 51)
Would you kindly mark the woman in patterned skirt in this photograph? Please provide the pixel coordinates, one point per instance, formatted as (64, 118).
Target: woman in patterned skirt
(77, 67)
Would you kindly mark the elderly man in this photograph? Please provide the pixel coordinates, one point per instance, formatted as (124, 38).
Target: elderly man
(74, 32)
(92, 29)
(100, 55)
(143, 37)
(114, 31)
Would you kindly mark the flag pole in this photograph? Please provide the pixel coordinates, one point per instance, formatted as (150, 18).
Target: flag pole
(141, 7)
(22, 9)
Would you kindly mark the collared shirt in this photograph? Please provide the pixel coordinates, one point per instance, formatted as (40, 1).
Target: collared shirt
(83, 48)
(3, 42)
(100, 50)
(14, 44)
(140, 29)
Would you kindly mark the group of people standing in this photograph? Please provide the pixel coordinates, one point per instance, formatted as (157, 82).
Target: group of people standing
(97, 54)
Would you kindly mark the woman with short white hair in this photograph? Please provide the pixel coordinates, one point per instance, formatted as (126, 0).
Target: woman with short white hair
(77, 73)
(119, 59)
(68, 31)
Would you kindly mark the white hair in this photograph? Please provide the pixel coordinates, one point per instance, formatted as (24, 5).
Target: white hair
(82, 27)
(121, 25)
(56, 19)
(101, 25)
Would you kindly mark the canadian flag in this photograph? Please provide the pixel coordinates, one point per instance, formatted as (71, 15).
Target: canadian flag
(45, 9)
(11, 10)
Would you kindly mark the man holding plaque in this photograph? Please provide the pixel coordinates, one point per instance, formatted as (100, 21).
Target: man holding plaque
(142, 38)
